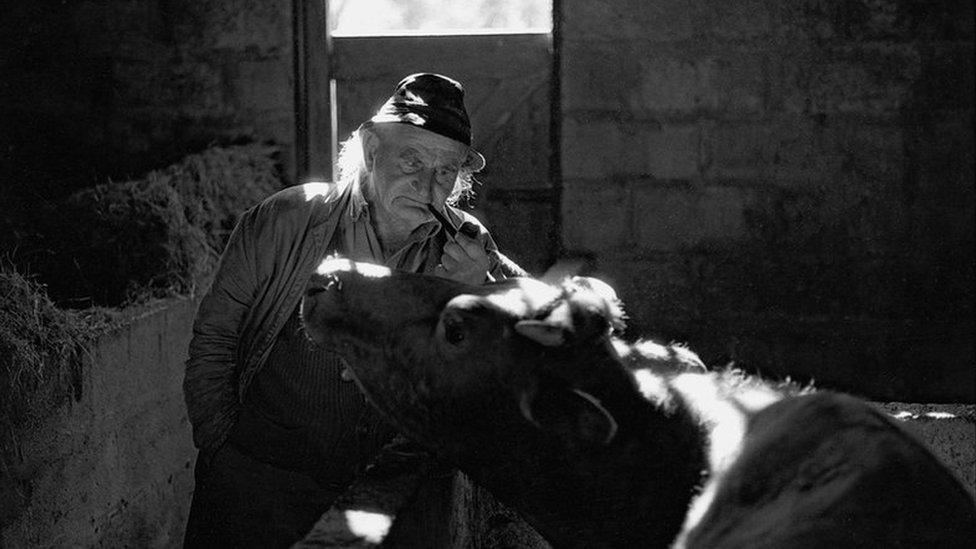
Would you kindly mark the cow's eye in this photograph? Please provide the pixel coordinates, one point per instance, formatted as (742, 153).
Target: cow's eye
(454, 332)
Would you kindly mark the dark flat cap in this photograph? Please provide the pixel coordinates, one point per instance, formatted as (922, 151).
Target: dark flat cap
(432, 102)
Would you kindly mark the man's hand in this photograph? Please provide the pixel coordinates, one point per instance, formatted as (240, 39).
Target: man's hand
(464, 258)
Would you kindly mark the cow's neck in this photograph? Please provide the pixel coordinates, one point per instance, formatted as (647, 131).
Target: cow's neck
(633, 492)
(722, 403)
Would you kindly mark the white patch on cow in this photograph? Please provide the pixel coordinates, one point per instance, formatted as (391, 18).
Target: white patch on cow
(372, 527)
(373, 271)
(524, 299)
(696, 512)
(651, 350)
(757, 400)
(335, 264)
(687, 358)
(621, 348)
(725, 420)
(650, 385)
(663, 360)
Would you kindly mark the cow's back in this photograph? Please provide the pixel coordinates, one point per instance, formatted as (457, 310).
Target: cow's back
(827, 470)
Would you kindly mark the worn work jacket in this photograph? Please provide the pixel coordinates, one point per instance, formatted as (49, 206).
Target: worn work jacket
(259, 281)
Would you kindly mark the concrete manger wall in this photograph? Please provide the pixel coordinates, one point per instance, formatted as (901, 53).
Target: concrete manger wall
(115, 468)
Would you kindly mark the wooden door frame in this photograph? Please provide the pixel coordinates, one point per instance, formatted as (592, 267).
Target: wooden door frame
(313, 101)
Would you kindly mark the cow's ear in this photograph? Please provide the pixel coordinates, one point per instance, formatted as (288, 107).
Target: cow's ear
(550, 331)
(606, 303)
(569, 412)
(596, 286)
(540, 331)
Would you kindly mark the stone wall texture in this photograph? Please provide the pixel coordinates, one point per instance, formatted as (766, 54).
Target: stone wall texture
(785, 185)
(99, 89)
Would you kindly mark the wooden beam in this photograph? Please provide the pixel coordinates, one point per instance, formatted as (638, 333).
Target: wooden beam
(313, 102)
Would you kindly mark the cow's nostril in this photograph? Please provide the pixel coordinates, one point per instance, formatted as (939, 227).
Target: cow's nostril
(323, 284)
(314, 291)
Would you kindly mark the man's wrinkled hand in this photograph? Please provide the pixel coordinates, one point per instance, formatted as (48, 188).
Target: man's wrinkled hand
(464, 257)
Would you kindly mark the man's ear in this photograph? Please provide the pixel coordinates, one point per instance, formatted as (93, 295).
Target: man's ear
(569, 413)
(371, 142)
(473, 162)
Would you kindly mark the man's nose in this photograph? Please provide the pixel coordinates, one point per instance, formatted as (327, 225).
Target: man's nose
(424, 184)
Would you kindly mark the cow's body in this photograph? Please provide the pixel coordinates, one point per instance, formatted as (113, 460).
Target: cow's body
(598, 443)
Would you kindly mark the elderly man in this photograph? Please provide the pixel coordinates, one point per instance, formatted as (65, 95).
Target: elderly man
(280, 432)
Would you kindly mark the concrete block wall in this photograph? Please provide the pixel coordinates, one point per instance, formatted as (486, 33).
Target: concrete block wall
(115, 468)
(103, 89)
(794, 167)
(948, 430)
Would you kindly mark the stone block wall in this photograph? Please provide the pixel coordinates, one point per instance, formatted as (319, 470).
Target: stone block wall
(788, 186)
(100, 89)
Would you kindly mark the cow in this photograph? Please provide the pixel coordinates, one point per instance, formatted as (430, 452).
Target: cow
(596, 442)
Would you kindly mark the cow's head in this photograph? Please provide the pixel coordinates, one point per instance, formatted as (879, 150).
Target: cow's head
(445, 360)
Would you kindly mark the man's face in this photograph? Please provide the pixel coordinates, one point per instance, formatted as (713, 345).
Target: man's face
(409, 168)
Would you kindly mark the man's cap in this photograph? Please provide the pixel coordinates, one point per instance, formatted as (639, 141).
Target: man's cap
(432, 102)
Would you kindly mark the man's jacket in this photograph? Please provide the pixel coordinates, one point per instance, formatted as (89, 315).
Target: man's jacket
(259, 281)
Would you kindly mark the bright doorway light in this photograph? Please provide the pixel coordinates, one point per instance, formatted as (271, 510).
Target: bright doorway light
(397, 17)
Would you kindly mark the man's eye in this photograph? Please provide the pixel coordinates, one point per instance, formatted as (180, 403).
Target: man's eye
(446, 175)
(410, 163)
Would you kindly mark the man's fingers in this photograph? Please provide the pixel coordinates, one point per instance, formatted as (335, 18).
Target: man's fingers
(461, 246)
(464, 256)
(454, 250)
(469, 229)
(449, 262)
(441, 272)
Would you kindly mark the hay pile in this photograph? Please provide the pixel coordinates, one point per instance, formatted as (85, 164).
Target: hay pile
(123, 243)
(40, 347)
(108, 247)
(218, 185)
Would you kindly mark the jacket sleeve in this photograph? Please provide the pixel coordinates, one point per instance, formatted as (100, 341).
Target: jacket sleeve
(501, 266)
(210, 385)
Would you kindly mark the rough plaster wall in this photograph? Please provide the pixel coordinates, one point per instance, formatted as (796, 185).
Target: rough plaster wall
(787, 185)
(92, 90)
(115, 468)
